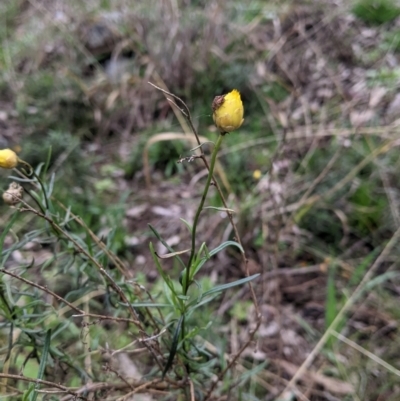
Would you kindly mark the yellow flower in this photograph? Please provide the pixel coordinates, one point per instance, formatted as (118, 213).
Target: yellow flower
(8, 158)
(257, 174)
(228, 111)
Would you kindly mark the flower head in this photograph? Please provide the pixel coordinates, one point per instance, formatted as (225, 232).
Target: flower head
(257, 174)
(14, 194)
(228, 111)
(8, 158)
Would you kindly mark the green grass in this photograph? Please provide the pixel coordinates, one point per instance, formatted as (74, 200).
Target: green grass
(376, 12)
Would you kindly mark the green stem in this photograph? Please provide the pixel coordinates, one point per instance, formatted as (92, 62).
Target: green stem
(200, 208)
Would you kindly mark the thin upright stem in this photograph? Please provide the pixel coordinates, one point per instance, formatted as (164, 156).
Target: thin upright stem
(200, 208)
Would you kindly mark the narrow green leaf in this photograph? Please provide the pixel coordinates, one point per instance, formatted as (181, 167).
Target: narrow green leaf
(167, 281)
(202, 249)
(199, 260)
(60, 330)
(213, 252)
(50, 186)
(174, 346)
(19, 179)
(249, 374)
(149, 305)
(380, 280)
(196, 303)
(224, 245)
(46, 166)
(27, 393)
(224, 287)
(158, 265)
(89, 244)
(27, 238)
(67, 216)
(169, 294)
(190, 228)
(331, 300)
(331, 304)
(158, 236)
(363, 266)
(42, 366)
(39, 169)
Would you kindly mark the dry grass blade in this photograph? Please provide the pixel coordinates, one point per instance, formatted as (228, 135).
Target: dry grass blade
(367, 353)
(330, 384)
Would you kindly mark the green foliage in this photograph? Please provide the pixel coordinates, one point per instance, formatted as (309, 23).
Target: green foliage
(383, 76)
(240, 311)
(368, 208)
(164, 156)
(185, 305)
(376, 11)
(8, 12)
(325, 227)
(391, 41)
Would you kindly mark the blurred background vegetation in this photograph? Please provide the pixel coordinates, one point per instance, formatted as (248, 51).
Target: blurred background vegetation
(313, 174)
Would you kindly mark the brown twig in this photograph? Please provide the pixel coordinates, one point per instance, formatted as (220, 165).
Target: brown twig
(192, 397)
(104, 317)
(43, 382)
(140, 388)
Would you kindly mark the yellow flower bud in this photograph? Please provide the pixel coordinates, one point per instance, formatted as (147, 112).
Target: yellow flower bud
(228, 111)
(8, 158)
